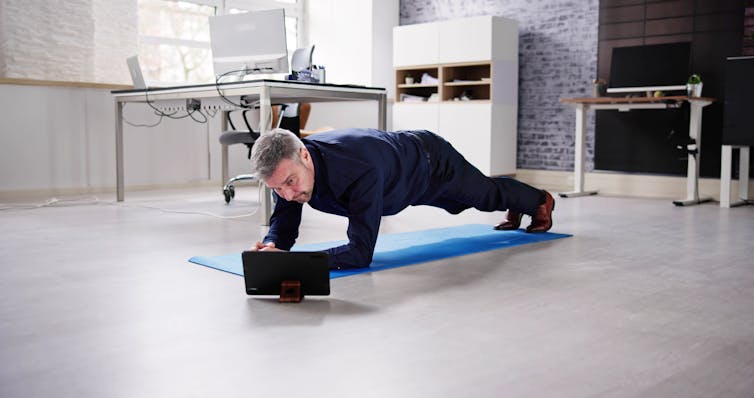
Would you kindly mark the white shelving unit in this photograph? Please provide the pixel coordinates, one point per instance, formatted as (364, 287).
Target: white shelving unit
(472, 58)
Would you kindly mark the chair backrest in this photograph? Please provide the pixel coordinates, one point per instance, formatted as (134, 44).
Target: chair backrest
(302, 58)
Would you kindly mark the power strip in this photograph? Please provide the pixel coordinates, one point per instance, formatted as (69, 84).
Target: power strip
(194, 104)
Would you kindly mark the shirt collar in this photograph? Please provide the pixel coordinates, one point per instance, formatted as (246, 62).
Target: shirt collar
(318, 164)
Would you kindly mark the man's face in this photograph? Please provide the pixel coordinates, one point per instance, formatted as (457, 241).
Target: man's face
(293, 180)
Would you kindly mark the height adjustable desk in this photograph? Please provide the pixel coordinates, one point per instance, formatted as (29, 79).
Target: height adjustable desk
(223, 96)
(582, 105)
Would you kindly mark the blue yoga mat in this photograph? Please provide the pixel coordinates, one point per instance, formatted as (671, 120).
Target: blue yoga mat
(408, 248)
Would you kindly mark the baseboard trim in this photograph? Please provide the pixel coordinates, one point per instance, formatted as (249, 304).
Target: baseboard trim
(628, 185)
(607, 183)
(30, 194)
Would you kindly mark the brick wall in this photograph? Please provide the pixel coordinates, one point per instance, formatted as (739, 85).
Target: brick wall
(72, 40)
(557, 59)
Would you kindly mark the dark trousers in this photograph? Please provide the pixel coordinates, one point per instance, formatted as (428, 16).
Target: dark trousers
(457, 185)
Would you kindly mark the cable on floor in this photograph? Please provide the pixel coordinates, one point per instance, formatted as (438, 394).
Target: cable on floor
(94, 200)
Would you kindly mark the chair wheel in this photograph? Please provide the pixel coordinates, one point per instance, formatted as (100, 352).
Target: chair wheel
(232, 191)
(228, 195)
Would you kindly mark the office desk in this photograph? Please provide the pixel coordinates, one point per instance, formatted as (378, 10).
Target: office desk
(265, 92)
(582, 105)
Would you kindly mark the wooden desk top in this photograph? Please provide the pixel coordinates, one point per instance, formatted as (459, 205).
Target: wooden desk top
(633, 100)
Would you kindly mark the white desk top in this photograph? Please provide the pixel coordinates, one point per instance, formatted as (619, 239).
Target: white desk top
(301, 91)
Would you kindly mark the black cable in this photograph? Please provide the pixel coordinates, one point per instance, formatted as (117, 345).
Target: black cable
(245, 120)
(191, 114)
(140, 124)
(222, 96)
(161, 113)
(230, 121)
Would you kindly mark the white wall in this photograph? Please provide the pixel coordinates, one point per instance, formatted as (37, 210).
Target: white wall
(353, 40)
(62, 139)
(49, 149)
(340, 42)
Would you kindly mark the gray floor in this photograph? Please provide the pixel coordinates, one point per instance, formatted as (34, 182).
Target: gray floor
(646, 300)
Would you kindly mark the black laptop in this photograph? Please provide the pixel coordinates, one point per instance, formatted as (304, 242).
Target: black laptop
(269, 273)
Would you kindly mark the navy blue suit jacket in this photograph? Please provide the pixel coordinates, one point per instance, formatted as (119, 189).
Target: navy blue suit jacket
(362, 174)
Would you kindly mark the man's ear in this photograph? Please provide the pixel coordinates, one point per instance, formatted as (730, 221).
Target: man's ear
(304, 153)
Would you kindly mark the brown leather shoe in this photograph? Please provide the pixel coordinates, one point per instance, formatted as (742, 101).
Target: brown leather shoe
(512, 221)
(541, 221)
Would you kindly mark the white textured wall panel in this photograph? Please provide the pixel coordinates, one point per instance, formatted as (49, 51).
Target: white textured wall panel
(72, 40)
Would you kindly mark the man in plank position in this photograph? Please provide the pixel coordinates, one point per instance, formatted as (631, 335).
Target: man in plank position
(364, 174)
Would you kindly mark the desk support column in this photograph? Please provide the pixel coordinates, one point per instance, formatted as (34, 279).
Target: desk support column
(579, 148)
(726, 175)
(694, 156)
(743, 174)
(726, 157)
(224, 148)
(382, 112)
(119, 184)
(579, 154)
(265, 121)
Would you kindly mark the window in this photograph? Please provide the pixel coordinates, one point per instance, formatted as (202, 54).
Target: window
(174, 35)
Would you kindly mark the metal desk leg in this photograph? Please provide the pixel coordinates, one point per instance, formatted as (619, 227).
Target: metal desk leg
(382, 112)
(692, 170)
(579, 156)
(265, 121)
(119, 184)
(224, 149)
(743, 174)
(726, 156)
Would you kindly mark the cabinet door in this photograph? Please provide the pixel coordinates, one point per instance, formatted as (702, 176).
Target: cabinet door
(418, 116)
(504, 139)
(504, 39)
(467, 127)
(415, 44)
(465, 40)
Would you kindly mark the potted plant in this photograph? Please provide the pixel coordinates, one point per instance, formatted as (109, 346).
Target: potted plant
(694, 86)
(600, 87)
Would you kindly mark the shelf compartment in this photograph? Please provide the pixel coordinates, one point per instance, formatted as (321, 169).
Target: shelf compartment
(471, 79)
(416, 85)
(468, 83)
(416, 88)
(474, 91)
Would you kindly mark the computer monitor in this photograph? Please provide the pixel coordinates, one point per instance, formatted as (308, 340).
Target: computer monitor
(249, 43)
(661, 67)
(738, 112)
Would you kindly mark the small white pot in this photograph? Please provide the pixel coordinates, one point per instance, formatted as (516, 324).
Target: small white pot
(694, 90)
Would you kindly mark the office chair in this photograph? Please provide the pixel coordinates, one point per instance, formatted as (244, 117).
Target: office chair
(301, 60)
(246, 137)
